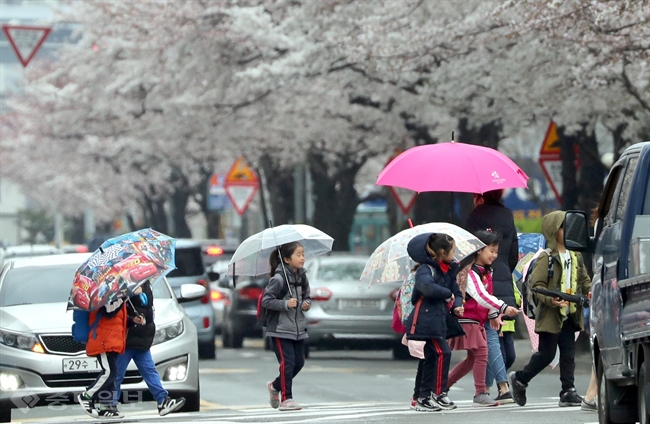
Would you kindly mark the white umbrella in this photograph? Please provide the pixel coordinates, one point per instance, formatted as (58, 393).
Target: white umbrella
(390, 262)
(252, 255)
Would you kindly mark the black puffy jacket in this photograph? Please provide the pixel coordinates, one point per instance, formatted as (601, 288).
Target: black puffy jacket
(141, 336)
(433, 288)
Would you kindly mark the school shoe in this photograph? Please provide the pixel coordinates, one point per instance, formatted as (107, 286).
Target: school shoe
(109, 411)
(87, 404)
(570, 398)
(414, 402)
(274, 395)
(443, 400)
(517, 389)
(504, 398)
(170, 405)
(427, 405)
(289, 405)
(484, 399)
(589, 405)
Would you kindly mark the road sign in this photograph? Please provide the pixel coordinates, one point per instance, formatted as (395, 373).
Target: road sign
(25, 40)
(404, 198)
(550, 160)
(218, 199)
(241, 185)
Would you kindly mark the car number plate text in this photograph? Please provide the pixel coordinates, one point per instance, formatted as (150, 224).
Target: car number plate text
(359, 303)
(83, 364)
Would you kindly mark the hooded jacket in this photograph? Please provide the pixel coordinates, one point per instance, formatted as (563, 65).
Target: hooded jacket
(141, 336)
(500, 219)
(110, 335)
(286, 323)
(434, 288)
(549, 317)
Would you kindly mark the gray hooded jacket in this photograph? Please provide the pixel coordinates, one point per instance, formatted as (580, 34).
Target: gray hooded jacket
(284, 322)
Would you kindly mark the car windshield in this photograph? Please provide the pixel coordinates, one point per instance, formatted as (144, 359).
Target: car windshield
(189, 263)
(340, 271)
(49, 284)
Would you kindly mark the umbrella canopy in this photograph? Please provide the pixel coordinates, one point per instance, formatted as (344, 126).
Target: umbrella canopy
(252, 256)
(121, 265)
(390, 262)
(456, 167)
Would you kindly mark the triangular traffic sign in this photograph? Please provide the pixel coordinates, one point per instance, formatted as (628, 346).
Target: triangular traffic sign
(404, 198)
(240, 172)
(25, 40)
(241, 196)
(551, 143)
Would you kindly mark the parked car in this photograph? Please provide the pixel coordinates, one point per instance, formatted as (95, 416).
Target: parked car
(220, 295)
(29, 250)
(190, 270)
(345, 312)
(39, 358)
(240, 310)
(214, 250)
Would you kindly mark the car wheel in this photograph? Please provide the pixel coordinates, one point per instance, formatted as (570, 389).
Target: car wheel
(644, 382)
(604, 415)
(306, 350)
(207, 350)
(237, 340)
(401, 352)
(192, 402)
(226, 340)
(5, 412)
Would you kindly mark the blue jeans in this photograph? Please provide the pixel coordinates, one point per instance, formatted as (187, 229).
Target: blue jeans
(496, 368)
(147, 368)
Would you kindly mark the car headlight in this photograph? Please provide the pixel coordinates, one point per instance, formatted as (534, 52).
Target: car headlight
(20, 341)
(168, 332)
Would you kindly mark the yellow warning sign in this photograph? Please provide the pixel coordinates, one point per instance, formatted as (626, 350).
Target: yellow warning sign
(551, 143)
(240, 172)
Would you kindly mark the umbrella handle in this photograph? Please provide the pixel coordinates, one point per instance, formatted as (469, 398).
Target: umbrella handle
(286, 278)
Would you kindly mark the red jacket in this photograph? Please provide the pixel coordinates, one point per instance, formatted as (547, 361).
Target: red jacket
(480, 303)
(110, 335)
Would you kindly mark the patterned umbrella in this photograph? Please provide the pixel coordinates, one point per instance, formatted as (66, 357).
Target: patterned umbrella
(390, 262)
(120, 266)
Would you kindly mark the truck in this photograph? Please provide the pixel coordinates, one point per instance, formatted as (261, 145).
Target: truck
(620, 295)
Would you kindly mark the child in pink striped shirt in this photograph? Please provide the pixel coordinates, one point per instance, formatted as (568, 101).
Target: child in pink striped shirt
(480, 305)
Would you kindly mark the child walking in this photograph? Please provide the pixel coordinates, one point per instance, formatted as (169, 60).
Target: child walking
(286, 322)
(557, 320)
(479, 306)
(435, 288)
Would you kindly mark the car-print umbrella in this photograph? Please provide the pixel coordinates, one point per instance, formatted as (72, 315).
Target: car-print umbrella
(120, 266)
(390, 262)
(454, 167)
(252, 255)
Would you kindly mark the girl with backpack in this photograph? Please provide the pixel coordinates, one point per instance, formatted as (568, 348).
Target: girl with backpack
(480, 305)
(286, 324)
(434, 290)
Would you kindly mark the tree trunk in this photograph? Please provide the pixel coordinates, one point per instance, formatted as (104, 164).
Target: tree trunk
(336, 199)
(570, 190)
(279, 182)
(212, 218)
(179, 201)
(592, 172)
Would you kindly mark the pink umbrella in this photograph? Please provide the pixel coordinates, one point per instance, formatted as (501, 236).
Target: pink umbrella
(455, 167)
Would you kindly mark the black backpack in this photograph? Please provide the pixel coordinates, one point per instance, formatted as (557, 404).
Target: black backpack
(528, 300)
(263, 313)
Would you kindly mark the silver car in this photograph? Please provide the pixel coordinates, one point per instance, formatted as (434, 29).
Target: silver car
(40, 363)
(344, 310)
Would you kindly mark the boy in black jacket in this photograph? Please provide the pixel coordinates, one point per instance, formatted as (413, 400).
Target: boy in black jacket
(141, 332)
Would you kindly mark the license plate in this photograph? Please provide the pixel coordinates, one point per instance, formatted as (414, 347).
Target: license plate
(360, 304)
(83, 364)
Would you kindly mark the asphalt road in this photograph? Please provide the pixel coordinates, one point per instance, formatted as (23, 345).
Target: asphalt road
(349, 386)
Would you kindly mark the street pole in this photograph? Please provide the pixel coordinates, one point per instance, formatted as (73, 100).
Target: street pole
(299, 194)
(58, 229)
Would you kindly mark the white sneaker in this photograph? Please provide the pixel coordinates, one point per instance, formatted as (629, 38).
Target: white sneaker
(170, 405)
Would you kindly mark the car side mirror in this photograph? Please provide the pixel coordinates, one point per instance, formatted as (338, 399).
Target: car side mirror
(576, 231)
(213, 276)
(190, 292)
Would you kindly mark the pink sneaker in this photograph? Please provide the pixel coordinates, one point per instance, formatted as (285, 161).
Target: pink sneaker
(414, 402)
(289, 405)
(274, 395)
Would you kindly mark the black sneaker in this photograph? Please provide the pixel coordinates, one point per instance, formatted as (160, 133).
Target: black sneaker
(570, 398)
(87, 404)
(109, 411)
(504, 398)
(517, 389)
(427, 405)
(443, 400)
(170, 405)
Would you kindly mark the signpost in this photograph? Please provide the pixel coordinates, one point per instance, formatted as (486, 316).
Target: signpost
(241, 185)
(25, 40)
(404, 198)
(218, 199)
(550, 160)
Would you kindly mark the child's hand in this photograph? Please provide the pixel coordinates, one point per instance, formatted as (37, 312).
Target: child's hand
(559, 303)
(292, 303)
(511, 311)
(459, 311)
(140, 319)
(306, 305)
(496, 323)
